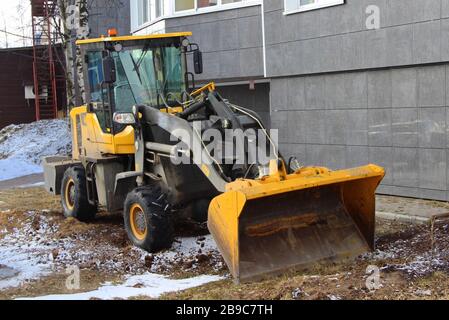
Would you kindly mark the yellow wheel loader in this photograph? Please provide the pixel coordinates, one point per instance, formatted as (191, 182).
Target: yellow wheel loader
(139, 147)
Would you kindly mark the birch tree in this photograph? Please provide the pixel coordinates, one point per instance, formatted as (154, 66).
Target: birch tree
(72, 22)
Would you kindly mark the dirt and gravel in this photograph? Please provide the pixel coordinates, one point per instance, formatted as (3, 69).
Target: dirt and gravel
(41, 244)
(37, 245)
(407, 266)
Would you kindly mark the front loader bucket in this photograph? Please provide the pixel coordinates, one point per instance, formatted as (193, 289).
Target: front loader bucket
(266, 228)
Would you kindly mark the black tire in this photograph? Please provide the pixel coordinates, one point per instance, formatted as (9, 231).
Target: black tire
(74, 195)
(147, 221)
(200, 210)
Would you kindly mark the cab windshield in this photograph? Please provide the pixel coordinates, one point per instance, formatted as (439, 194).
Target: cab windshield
(149, 76)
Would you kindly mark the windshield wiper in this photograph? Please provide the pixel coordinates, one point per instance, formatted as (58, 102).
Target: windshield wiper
(145, 50)
(136, 67)
(137, 64)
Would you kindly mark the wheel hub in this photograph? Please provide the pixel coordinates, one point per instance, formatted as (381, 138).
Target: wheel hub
(138, 222)
(70, 194)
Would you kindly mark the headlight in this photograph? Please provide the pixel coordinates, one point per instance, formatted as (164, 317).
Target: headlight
(185, 42)
(124, 118)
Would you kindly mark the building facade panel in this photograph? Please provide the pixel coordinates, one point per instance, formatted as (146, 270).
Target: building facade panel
(232, 37)
(337, 39)
(346, 122)
(106, 14)
(340, 93)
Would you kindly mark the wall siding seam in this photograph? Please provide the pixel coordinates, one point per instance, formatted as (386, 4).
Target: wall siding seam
(352, 32)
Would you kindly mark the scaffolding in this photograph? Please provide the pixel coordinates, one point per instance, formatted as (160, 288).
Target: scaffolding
(44, 73)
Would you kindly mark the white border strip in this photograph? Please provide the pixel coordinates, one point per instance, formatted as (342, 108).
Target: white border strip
(313, 6)
(264, 47)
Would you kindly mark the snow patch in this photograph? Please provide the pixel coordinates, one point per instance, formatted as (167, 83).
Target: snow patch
(32, 251)
(23, 146)
(150, 285)
(188, 252)
(379, 255)
(413, 255)
(13, 168)
(24, 263)
(31, 185)
(25, 251)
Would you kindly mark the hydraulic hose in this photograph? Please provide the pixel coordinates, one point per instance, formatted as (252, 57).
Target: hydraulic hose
(192, 109)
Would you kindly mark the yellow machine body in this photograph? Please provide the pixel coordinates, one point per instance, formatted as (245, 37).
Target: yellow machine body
(292, 221)
(90, 141)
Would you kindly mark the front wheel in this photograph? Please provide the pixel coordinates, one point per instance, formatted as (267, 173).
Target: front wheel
(146, 219)
(74, 195)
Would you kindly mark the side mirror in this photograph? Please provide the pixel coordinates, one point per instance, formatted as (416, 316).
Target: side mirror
(198, 61)
(109, 70)
(124, 118)
(293, 165)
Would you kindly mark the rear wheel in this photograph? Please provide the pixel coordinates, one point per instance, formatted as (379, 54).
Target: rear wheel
(74, 195)
(146, 219)
(200, 210)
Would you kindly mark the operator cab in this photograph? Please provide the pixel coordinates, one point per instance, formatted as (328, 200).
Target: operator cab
(140, 70)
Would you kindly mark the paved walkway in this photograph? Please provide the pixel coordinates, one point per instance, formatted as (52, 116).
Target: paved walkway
(410, 210)
(21, 182)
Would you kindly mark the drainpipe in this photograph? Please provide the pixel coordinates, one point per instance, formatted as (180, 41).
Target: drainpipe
(264, 54)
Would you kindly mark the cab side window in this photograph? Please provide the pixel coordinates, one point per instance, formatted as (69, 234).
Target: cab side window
(95, 72)
(98, 93)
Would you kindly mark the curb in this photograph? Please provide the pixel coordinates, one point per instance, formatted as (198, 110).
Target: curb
(403, 218)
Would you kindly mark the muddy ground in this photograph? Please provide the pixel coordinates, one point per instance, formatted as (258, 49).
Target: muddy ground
(409, 261)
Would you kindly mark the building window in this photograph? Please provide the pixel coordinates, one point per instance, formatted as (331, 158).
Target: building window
(230, 1)
(293, 6)
(183, 5)
(159, 8)
(150, 10)
(145, 11)
(206, 3)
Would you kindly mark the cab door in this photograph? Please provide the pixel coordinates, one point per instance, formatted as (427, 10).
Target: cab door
(99, 116)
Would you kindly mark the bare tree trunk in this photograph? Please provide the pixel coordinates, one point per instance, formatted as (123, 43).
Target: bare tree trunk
(74, 25)
(66, 37)
(82, 32)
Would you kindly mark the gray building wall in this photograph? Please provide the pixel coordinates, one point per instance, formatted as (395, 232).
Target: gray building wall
(257, 99)
(232, 46)
(396, 118)
(336, 38)
(231, 42)
(106, 14)
(340, 94)
(344, 96)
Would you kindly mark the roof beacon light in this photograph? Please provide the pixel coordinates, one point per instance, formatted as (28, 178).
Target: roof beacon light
(112, 32)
